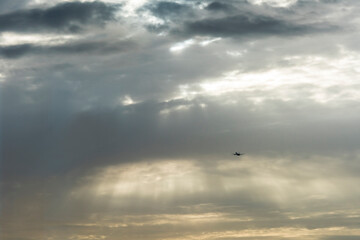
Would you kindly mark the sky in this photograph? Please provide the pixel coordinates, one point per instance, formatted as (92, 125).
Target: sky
(119, 119)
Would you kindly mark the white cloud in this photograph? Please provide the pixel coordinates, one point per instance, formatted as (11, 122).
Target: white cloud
(315, 74)
(181, 46)
(127, 100)
(275, 3)
(10, 38)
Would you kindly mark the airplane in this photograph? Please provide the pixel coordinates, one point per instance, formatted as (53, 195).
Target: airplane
(238, 154)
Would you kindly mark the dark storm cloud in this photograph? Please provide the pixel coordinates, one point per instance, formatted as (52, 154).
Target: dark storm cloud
(64, 17)
(242, 25)
(97, 47)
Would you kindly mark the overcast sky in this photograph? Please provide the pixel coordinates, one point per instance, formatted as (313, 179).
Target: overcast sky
(119, 120)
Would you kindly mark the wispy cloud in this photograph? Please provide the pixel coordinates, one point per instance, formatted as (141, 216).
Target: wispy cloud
(94, 47)
(64, 17)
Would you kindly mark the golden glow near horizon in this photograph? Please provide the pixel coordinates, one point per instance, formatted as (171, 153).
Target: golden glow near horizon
(148, 179)
(305, 234)
(285, 232)
(161, 183)
(168, 179)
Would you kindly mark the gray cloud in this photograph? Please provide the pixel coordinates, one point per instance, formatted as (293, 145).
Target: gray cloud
(64, 17)
(165, 9)
(342, 237)
(94, 47)
(220, 6)
(138, 145)
(251, 25)
(11, 5)
(112, 130)
(128, 133)
(16, 50)
(242, 19)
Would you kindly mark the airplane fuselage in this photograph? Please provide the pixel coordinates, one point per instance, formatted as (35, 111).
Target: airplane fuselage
(238, 154)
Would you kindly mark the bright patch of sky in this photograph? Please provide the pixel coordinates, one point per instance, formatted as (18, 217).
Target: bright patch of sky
(171, 179)
(127, 100)
(11, 38)
(274, 3)
(318, 73)
(181, 46)
(161, 179)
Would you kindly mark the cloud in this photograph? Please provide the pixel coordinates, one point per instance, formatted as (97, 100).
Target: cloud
(130, 133)
(64, 17)
(277, 195)
(165, 9)
(342, 237)
(241, 19)
(11, 5)
(219, 6)
(242, 25)
(138, 145)
(77, 47)
(15, 51)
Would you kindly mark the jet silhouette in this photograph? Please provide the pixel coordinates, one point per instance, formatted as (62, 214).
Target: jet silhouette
(238, 154)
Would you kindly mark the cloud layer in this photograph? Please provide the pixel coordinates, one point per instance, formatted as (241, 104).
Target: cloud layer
(119, 121)
(64, 17)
